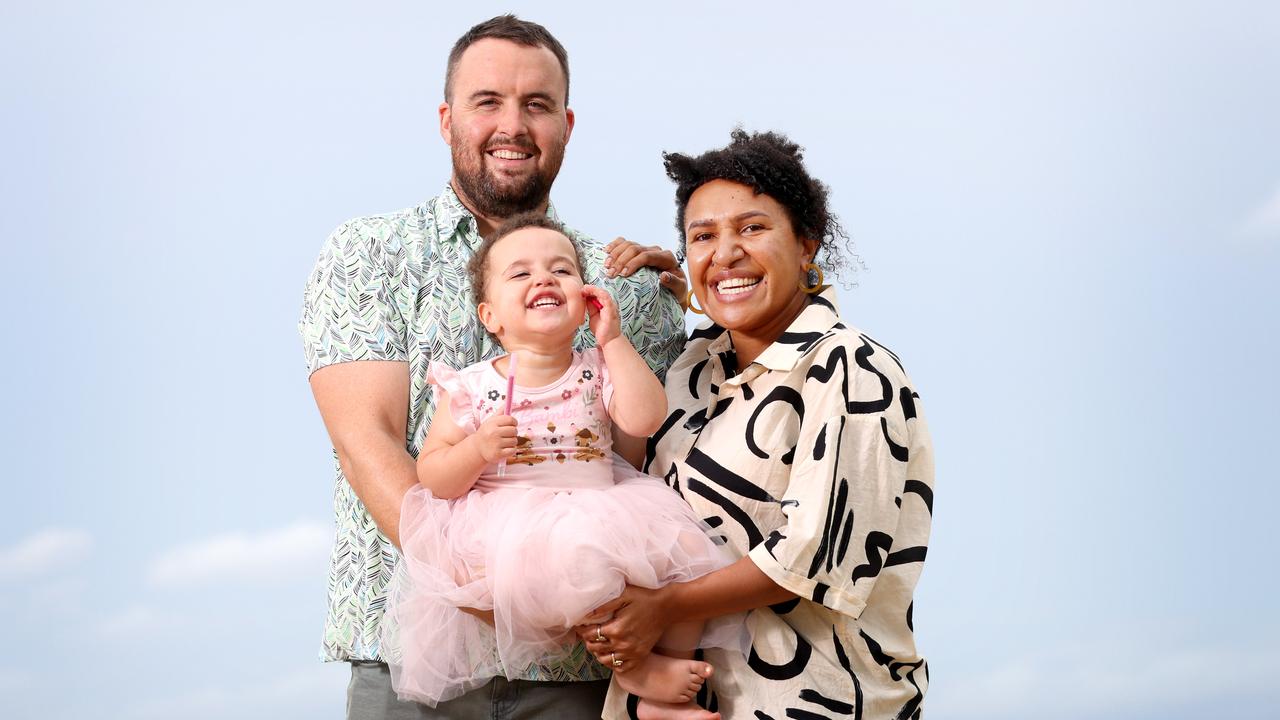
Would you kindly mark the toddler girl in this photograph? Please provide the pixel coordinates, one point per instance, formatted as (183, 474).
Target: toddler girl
(524, 521)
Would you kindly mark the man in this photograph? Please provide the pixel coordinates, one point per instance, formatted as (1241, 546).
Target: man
(389, 295)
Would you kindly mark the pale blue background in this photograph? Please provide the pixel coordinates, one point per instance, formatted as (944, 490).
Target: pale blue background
(1071, 218)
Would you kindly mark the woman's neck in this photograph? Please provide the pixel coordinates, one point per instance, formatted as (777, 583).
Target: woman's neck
(747, 345)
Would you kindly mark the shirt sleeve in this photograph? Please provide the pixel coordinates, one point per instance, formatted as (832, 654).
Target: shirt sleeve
(349, 309)
(441, 376)
(653, 320)
(841, 507)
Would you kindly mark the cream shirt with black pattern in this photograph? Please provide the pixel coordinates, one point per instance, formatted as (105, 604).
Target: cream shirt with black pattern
(816, 463)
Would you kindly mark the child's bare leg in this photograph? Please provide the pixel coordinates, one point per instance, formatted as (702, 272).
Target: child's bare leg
(669, 674)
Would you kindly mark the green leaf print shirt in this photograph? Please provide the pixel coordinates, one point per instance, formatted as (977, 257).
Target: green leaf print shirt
(394, 287)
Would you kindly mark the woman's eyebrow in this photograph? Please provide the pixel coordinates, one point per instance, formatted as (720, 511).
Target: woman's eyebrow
(735, 219)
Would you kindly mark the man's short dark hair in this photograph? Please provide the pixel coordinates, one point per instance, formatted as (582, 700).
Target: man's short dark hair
(507, 27)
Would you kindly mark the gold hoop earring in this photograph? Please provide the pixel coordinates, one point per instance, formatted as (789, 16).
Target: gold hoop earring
(688, 304)
(812, 289)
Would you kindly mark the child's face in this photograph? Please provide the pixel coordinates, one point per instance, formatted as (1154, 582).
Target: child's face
(532, 288)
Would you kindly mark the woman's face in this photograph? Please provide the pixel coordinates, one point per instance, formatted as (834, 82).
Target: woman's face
(745, 261)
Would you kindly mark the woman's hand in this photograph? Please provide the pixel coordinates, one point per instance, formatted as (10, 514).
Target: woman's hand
(639, 617)
(625, 257)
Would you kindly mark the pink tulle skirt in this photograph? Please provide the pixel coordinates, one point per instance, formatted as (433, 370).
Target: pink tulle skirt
(541, 560)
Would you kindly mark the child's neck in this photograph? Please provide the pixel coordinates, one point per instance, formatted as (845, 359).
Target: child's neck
(537, 366)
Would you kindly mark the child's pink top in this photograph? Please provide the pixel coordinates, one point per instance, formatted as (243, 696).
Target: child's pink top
(564, 438)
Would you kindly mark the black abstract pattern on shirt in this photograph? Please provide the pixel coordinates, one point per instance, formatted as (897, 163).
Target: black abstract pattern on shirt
(814, 461)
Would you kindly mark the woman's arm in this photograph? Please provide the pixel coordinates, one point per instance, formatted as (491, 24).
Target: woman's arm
(451, 460)
(640, 615)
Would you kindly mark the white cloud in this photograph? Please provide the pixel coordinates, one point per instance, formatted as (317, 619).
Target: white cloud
(1106, 681)
(43, 552)
(293, 551)
(1264, 221)
(315, 690)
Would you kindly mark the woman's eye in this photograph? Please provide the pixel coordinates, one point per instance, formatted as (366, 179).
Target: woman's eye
(753, 227)
(698, 237)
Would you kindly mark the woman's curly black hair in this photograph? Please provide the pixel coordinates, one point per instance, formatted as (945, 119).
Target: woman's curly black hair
(770, 164)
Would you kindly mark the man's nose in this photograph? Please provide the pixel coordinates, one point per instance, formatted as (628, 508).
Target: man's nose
(511, 120)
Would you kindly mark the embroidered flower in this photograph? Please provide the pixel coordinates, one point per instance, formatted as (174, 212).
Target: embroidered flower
(587, 375)
(566, 394)
(494, 395)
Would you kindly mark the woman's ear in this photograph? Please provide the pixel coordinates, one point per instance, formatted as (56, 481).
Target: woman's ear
(810, 249)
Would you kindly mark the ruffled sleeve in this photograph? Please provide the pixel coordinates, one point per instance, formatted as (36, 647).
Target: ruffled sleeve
(443, 377)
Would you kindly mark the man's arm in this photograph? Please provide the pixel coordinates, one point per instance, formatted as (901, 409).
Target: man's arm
(365, 406)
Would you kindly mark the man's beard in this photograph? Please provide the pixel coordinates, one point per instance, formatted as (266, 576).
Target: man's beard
(495, 199)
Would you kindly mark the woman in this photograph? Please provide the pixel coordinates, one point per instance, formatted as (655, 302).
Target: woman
(801, 443)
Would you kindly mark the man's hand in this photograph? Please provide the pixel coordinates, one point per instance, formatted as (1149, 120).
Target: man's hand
(625, 257)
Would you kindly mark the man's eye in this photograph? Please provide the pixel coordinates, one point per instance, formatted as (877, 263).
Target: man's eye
(539, 106)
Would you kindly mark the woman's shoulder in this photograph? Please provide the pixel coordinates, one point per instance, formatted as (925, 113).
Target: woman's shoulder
(848, 357)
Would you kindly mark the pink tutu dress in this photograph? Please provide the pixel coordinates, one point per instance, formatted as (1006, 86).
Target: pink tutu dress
(559, 534)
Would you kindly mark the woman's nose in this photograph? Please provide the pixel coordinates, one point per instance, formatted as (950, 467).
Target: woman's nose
(728, 250)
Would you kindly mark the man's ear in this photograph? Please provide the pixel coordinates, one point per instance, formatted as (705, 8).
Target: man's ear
(488, 318)
(446, 122)
(568, 126)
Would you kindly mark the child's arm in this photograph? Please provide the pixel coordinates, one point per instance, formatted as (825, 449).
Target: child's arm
(639, 404)
(451, 460)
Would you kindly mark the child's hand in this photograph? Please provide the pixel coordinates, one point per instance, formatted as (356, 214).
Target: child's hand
(496, 438)
(603, 320)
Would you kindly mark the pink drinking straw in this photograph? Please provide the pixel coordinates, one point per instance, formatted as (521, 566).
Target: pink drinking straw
(511, 391)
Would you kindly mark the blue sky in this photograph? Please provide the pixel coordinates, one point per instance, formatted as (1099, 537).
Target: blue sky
(1069, 213)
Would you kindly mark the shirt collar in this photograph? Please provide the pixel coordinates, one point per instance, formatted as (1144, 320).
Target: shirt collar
(813, 323)
(451, 214)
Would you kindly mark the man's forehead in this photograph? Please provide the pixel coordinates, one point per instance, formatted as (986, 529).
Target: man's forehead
(492, 63)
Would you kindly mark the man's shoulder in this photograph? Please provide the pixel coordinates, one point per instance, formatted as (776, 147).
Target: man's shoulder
(407, 226)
